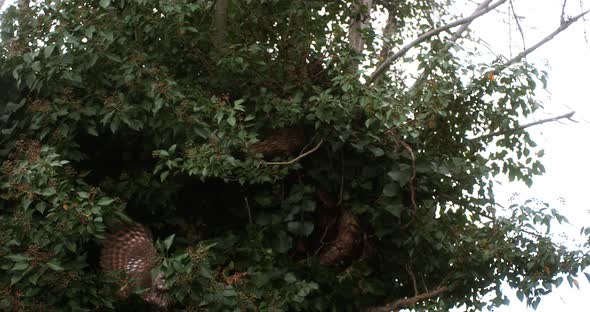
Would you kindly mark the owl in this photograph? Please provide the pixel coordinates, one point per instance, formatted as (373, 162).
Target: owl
(131, 250)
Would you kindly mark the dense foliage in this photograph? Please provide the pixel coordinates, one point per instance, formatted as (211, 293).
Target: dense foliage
(141, 110)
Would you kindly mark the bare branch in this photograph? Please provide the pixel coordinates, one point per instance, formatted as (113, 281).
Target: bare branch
(388, 31)
(456, 35)
(412, 187)
(517, 23)
(562, 19)
(296, 158)
(408, 302)
(220, 22)
(385, 65)
(520, 127)
(528, 51)
(248, 209)
(413, 277)
(360, 21)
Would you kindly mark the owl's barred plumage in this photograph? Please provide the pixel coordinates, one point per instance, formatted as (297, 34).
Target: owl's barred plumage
(131, 250)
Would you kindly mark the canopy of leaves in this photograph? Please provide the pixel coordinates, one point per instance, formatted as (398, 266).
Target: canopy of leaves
(143, 110)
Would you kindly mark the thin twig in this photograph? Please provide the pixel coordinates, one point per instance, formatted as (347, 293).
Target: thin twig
(248, 208)
(322, 242)
(385, 65)
(413, 278)
(584, 20)
(520, 127)
(408, 302)
(524, 53)
(424, 282)
(388, 31)
(412, 187)
(456, 35)
(296, 158)
(341, 193)
(562, 18)
(518, 24)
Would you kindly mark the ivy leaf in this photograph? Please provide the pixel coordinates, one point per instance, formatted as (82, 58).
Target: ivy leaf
(105, 201)
(391, 190)
(300, 228)
(377, 151)
(395, 209)
(104, 3)
(18, 257)
(54, 265)
(48, 50)
(168, 242)
(19, 266)
(231, 120)
(290, 278)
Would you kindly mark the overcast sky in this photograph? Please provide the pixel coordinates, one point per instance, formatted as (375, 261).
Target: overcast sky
(567, 148)
(566, 144)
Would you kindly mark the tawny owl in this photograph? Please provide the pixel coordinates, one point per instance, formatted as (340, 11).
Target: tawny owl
(131, 250)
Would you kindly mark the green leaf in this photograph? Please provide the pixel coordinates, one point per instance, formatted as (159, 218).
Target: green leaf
(105, 201)
(48, 50)
(15, 279)
(168, 242)
(391, 190)
(300, 228)
(19, 266)
(282, 242)
(231, 120)
(260, 279)
(377, 151)
(290, 278)
(206, 272)
(55, 265)
(35, 277)
(229, 292)
(92, 130)
(104, 3)
(520, 295)
(18, 257)
(395, 209)
(535, 303)
(40, 206)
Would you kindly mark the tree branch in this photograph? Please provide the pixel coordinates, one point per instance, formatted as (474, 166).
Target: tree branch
(220, 22)
(517, 23)
(413, 277)
(385, 65)
(388, 31)
(412, 186)
(408, 302)
(296, 158)
(520, 127)
(360, 21)
(456, 35)
(562, 18)
(526, 52)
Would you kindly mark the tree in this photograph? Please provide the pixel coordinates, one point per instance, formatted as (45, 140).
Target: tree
(282, 147)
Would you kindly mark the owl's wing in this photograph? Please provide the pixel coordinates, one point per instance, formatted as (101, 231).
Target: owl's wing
(131, 249)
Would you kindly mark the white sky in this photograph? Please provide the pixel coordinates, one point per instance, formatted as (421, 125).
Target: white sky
(566, 146)
(567, 58)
